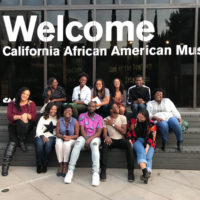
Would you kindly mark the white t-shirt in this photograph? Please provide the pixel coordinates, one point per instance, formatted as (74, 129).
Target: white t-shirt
(112, 132)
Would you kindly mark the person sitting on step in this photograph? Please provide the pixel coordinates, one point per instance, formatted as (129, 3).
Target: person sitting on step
(115, 127)
(45, 136)
(91, 125)
(142, 135)
(164, 113)
(21, 114)
(67, 132)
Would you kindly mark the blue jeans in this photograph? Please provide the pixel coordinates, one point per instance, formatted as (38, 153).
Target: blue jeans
(43, 150)
(79, 145)
(172, 124)
(139, 148)
(135, 107)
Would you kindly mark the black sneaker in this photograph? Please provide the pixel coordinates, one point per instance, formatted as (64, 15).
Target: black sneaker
(39, 169)
(103, 175)
(131, 176)
(23, 146)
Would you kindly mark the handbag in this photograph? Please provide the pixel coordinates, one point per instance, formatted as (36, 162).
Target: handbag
(185, 125)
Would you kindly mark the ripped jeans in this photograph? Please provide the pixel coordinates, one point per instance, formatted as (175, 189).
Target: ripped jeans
(78, 146)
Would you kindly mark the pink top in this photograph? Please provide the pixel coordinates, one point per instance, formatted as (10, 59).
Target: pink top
(29, 108)
(90, 124)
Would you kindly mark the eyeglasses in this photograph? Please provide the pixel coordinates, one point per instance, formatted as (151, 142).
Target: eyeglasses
(79, 96)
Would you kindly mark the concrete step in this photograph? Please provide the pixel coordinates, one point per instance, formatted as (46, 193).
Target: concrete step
(171, 159)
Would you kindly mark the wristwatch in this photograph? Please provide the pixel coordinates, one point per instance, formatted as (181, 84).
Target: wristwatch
(113, 125)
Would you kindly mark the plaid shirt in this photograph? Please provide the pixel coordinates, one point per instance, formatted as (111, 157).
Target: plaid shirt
(151, 136)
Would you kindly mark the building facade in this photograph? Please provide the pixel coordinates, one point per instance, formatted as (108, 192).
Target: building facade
(176, 22)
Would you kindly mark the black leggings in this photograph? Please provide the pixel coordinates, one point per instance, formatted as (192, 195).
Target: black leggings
(19, 131)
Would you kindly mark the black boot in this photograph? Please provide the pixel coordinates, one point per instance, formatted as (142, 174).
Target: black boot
(163, 146)
(131, 176)
(145, 175)
(8, 155)
(103, 175)
(180, 146)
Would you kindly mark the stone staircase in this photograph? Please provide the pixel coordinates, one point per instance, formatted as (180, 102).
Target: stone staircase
(189, 159)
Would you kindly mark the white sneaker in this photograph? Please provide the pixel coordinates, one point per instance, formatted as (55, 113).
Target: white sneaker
(95, 179)
(68, 177)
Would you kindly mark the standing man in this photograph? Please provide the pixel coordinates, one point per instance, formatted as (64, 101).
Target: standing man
(91, 125)
(115, 127)
(138, 95)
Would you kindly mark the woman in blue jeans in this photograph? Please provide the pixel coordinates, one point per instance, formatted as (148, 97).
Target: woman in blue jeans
(142, 135)
(45, 136)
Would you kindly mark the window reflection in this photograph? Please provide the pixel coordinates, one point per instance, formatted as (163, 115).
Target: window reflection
(81, 2)
(123, 67)
(9, 2)
(158, 1)
(184, 1)
(173, 73)
(132, 1)
(107, 1)
(18, 71)
(59, 2)
(33, 2)
(66, 68)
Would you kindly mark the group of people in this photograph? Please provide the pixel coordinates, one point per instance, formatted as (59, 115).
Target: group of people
(95, 117)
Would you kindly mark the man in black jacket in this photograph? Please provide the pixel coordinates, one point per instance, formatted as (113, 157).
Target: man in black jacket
(138, 95)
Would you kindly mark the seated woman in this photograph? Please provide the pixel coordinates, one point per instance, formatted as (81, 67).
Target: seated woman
(142, 134)
(67, 131)
(81, 95)
(101, 96)
(45, 136)
(54, 93)
(21, 115)
(118, 95)
(166, 116)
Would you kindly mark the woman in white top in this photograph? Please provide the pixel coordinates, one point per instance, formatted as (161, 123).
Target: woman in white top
(164, 113)
(81, 95)
(101, 95)
(45, 136)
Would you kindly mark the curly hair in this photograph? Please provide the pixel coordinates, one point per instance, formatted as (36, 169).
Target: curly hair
(47, 110)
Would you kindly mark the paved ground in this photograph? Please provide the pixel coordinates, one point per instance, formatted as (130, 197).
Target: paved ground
(24, 183)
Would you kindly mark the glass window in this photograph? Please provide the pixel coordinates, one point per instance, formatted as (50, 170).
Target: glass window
(198, 71)
(33, 2)
(81, 2)
(184, 1)
(107, 1)
(132, 1)
(9, 2)
(18, 71)
(60, 2)
(111, 66)
(174, 73)
(66, 67)
(158, 1)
